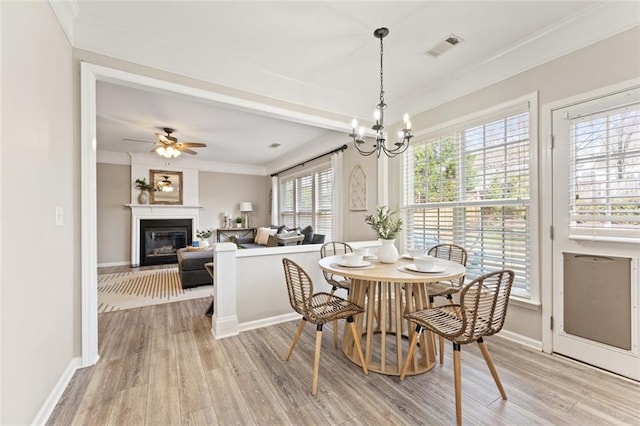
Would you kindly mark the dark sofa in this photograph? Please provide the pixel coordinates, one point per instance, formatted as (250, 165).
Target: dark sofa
(191, 267)
(284, 237)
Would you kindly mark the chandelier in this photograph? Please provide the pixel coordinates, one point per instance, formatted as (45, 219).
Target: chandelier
(404, 135)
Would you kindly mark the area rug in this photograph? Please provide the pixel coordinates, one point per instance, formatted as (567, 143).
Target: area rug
(128, 290)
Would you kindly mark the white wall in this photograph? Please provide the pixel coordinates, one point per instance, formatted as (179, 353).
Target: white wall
(114, 217)
(610, 61)
(39, 167)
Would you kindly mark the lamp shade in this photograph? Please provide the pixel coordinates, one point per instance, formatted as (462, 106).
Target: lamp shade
(246, 206)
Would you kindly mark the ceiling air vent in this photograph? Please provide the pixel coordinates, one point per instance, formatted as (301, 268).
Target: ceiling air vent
(444, 45)
(274, 145)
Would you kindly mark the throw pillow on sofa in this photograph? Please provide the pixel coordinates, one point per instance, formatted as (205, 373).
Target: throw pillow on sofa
(308, 234)
(262, 235)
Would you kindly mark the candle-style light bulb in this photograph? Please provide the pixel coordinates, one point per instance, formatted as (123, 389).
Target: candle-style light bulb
(354, 124)
(405, 118)
(361, 132)
(401, 134)
(408, 125)
(376, 114)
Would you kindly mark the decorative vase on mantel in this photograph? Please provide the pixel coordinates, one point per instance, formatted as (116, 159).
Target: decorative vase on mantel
(388, 253)
(143, 197)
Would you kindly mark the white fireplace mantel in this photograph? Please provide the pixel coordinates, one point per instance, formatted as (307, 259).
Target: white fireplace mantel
(158, 211)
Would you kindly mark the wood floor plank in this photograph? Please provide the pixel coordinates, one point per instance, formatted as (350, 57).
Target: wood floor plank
(126, 407)
(228, 402)
(163, 399)
(162, 361)
(259, 398)
(71, 398)
(97, 402)
(204, 417)
(192, 385)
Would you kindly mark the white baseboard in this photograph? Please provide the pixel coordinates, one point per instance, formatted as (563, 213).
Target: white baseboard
(251, 325)
(519, 338)
(123, 263)
(57, 391)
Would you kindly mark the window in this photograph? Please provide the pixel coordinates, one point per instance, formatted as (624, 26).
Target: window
(306, 199)
(470, 185)
(604, 180)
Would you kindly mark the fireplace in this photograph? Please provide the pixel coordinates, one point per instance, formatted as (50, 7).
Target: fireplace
(160, 239)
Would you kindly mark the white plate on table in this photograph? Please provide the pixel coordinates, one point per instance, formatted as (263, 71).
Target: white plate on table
(348, 265)
(435, 270)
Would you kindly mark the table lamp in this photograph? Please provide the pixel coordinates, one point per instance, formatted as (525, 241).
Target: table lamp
(246, 207)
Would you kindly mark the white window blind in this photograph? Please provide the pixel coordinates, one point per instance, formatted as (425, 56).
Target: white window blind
(470, 186)
(604, 179)
(306, 199)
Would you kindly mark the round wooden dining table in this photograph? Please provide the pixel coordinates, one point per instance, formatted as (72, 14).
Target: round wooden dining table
(386, 292)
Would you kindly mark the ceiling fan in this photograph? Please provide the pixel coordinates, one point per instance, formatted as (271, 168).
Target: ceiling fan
(165, 185)
(169, 147)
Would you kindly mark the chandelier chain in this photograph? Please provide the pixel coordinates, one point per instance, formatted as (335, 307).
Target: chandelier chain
(381, 72)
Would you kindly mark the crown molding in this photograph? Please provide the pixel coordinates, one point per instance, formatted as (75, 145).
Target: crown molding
(66, 11)
(126, 159)
(601, 21)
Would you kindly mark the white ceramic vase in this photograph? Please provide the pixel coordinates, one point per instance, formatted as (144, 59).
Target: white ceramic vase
(143, 198)
(204, 243)
(388, 253)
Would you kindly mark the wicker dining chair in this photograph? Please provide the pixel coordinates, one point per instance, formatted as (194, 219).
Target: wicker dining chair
(318, 309)
(447, 289)
(481, 312)
(334, 248)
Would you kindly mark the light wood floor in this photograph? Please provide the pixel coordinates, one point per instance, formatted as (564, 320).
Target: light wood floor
(160, 365)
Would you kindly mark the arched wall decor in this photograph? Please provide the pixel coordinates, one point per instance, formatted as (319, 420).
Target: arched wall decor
(357, 189)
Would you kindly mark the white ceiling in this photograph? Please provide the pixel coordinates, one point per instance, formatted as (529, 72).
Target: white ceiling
(317, 54)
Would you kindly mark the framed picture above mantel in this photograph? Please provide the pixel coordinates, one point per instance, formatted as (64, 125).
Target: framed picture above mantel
(168, 187)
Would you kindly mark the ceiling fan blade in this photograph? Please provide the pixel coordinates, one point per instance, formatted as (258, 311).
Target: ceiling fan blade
(136, 140)
(192, 144)
(166, 139)
(188, 151)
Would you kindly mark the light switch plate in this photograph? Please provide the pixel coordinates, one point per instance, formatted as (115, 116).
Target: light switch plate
(59, 216)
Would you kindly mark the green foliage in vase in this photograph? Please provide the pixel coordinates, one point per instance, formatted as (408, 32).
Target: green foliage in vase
(238, 220)
(142, 185)
(384, 222)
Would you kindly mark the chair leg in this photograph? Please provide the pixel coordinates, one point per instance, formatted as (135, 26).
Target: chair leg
(441, 344)
(296, 337)
(356, 339)
(412, 348)
(492, 368)
(335, 334)
(457, 381)
(316, 360)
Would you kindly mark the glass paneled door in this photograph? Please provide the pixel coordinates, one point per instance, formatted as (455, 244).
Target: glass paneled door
(596, 231)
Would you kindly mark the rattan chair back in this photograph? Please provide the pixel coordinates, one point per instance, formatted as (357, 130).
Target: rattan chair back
(483, 305)
(333, 248)
(451, 252)
(299, 287)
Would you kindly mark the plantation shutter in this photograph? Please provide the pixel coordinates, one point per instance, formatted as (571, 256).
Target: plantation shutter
(604, 178)
(324, 203)
(306, 199)
(469, 185)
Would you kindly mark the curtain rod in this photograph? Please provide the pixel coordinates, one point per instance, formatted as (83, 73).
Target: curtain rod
(342, 148)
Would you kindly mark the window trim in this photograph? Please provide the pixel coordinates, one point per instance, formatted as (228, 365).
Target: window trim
(495, 111)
